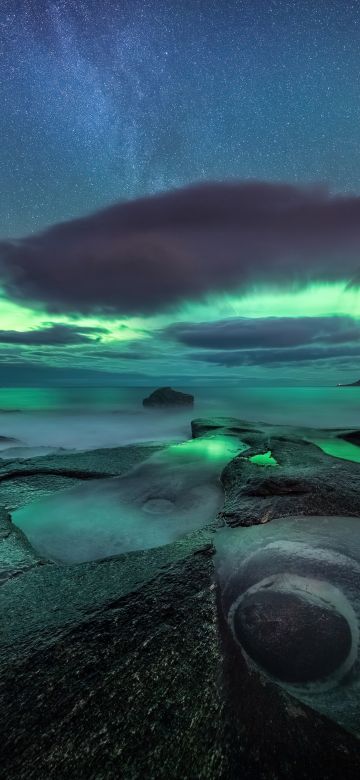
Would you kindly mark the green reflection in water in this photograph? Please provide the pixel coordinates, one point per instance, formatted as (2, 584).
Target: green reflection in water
(339, 448)
(265, 459)
(216, 449)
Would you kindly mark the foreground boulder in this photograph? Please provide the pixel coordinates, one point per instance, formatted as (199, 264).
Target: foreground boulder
(166, 396)
(277, 630)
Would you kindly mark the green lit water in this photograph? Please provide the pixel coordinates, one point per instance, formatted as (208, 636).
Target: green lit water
(264, 459)
(339, 448)
(169, 495)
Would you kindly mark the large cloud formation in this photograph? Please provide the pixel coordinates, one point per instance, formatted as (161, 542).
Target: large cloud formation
(275, 357)
(269, 340)
(139, 256)
(280, 332)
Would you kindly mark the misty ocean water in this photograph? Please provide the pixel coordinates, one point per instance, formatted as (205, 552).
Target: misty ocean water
(44, 420)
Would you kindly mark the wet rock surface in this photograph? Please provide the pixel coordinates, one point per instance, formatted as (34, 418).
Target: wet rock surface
(293, 640)
(353, 437)
(127, 667)
(305, 481)
(16, 554)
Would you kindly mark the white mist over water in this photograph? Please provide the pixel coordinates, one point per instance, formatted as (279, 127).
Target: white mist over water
(40, 433)
(90, 418)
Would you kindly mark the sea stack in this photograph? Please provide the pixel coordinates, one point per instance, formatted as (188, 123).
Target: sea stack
(166, 396)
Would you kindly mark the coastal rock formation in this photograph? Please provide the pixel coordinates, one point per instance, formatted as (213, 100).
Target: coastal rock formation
(126, 666)
(166, 396)
(352, 436)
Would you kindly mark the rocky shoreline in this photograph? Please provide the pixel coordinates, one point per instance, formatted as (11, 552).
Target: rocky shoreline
(127, 667)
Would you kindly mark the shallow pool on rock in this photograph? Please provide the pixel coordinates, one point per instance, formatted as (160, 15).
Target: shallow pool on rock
(290, 594)
(264, 459)
(168, 495)
(338, 448)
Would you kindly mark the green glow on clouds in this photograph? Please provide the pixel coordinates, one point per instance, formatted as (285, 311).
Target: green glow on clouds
(314, 300)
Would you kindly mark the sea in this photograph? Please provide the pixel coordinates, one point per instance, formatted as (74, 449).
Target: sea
(39, 421)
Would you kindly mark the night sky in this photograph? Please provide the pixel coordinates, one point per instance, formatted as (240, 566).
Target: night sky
(253, 277)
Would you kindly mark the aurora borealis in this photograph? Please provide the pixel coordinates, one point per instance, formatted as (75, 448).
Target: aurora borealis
(243, 278)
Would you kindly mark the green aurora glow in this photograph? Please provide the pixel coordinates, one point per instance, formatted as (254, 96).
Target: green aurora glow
(114, 350)
(314, 300)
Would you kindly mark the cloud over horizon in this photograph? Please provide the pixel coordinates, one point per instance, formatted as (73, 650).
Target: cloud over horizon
(266, 332)
(52, 335)
(267, 357)
(142, 256)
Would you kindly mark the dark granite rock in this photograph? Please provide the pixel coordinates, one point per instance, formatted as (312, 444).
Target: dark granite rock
(352, 436)
(128, 668)
(137, 687)
(16, 554)
(286, 738)
(229, 425)
(291, 638)
(306, 482)
(277, 486)
(166, 396)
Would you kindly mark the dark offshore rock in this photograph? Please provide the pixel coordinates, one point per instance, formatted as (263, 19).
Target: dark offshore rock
(292, 639)
(166, 396)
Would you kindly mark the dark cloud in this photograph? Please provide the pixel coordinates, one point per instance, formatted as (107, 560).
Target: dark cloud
(241, 333)
(53, 335)
(261, 357)
(142, 255)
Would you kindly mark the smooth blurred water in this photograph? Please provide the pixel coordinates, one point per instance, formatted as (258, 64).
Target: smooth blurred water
(172, 493)
(86, 418)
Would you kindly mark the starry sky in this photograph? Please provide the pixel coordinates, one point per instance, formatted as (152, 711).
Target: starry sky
(109, 103)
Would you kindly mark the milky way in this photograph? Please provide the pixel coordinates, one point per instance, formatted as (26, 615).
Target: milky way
(111, 100)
